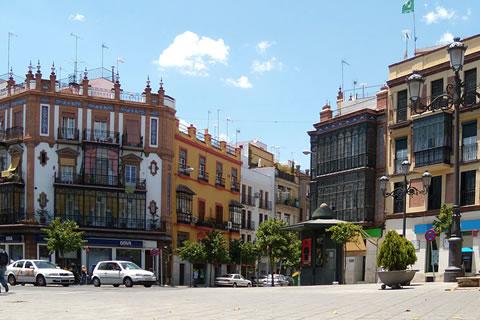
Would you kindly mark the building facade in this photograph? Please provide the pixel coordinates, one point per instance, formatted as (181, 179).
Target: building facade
(207, 195)
(425, 140)
(91, 153)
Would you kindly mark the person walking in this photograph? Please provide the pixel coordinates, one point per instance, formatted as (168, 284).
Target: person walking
(3, 267)
(83, 275)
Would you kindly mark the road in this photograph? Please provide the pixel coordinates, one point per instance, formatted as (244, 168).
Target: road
(364, 301)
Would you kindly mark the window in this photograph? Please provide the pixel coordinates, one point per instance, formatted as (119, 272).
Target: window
(244, 219)
(401, 153)
(181, 238)
(182, 159)
(249, 238)
(432, 138)
(153, 131)
(398, 201)
(219, 180)
(130, 175)
(402, 106)
(218, 214)
(469, 141)
(436, 89)
(249, 196)
(101, 165)
(243, 238)
(44, 120)
(184, 203)
(467, 189)
(234, 176)
(435, 193)
(266, 201)
(260, 218)
(286, 218)
(201, 210)
(100, 130)
(470, 86)
(66, 173)
(202, 167)
(260, 200)
(68, 128)
(28, 264)
(132, 132)
(244, 194)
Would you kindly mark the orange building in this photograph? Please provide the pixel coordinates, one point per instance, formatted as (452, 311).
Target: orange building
(207, 186)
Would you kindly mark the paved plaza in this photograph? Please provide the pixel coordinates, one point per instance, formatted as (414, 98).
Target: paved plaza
(365, 301)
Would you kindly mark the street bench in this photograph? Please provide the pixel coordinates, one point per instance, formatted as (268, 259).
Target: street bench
(468, 281)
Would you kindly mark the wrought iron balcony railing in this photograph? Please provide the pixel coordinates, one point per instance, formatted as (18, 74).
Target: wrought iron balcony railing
(129, 142)
(14, 133)
(11, 216)
(100, 180)
(203, 176)
(107, 221)
(65, 133)
(101, 136)
(235, 185)
(184, 217)
(220, 181)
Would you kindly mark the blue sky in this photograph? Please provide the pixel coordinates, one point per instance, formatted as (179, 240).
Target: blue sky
(269, 66)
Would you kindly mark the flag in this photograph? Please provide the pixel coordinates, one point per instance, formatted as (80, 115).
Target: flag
(408, 6)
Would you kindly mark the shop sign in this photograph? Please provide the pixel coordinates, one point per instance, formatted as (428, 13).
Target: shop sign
(115, 242)
(11, 239)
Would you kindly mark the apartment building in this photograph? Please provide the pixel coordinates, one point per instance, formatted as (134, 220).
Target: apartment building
(88, 152)
(425, 140)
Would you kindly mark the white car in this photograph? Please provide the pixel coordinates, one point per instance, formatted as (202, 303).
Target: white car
(121, 272)
(279, 280)
(232, 280)
(38, 272)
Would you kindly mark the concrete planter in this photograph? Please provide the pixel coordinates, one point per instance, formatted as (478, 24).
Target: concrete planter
(396, 279)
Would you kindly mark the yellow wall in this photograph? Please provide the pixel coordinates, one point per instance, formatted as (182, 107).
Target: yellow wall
(211, 194)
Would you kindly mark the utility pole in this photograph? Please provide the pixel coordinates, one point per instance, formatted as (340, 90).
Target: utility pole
(218, 124)
(75, 68)
(228, 120)
(10, 35)
(208, 120)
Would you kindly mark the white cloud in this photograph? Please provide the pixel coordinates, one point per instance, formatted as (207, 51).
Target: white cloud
(467, 15)
(265, 66)
(447, 37)
(241, 82)
(439, 14)
(193, 55)
(77, 17)
(262, 46)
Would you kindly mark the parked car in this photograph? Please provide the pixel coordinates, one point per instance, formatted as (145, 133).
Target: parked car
(232, 280)
(38, 272)
(121, 272)
(279, 280)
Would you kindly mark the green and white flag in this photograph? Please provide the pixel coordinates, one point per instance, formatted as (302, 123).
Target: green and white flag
(408, 6)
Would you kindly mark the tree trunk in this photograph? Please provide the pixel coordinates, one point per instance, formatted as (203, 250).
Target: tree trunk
(344, 263)
(271, 269)
(257, 270)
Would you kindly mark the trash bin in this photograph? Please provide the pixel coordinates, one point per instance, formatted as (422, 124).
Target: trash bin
(296, 278)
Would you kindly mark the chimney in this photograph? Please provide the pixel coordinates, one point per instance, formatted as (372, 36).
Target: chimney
(53, 78)
(339, 100)
(382, 98)
(326, 113)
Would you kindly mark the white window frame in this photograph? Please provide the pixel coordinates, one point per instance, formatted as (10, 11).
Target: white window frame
(150, 133)
(48, 120)
(128, 174)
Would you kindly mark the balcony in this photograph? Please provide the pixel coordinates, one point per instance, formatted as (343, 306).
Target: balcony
(101, 136)
(132, 143)
(235, 186)
(287, 200)
(203, 176)
(211, 223)
(248, 225)
(285, 176)
(469, 152)
(432, 156)
(233, 226)
(220, 182)
(265, 205)
(247, 199)
(101, 180)
(11, 135)
(68, 134)
(184, 217)
(106, 221)
(9, 216)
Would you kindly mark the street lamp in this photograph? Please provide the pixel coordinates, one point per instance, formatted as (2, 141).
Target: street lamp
(453, 98)
(405, 189)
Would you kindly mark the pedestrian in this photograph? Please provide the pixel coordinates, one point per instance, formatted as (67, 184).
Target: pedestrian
(195, 277)
(84, 275)
(3, 267)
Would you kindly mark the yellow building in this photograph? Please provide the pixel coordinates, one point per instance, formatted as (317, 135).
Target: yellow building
(207, 194)
(426, 141)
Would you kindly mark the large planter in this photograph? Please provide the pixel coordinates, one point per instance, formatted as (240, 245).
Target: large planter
(396, 279)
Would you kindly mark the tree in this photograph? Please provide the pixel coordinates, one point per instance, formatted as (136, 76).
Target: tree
(235, 252)
(249, 255)
(396, 252)
(193, 252)
(216, 249)
(443, 222)
(63, 236)
(291, 254)
(342, 233)
(272, 241)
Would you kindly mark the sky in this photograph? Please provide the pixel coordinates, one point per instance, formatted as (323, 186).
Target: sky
(265, 68)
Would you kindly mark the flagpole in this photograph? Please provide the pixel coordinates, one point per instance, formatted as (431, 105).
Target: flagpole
(414, 35)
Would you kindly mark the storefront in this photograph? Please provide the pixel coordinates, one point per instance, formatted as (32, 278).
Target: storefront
(14, 245)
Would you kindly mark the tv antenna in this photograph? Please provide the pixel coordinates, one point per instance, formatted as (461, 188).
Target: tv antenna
(75, 67)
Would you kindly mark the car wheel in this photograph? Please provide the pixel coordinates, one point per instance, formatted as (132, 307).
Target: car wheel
(249, 285)
(11, 280)
(96, 282)
(128, 282)
(41, 281)
(147, 285)
(116, 285)
(65, 285)
(234, 285)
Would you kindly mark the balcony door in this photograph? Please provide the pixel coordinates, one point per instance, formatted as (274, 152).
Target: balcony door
(68, 128)
(100, 130)
(469, 141)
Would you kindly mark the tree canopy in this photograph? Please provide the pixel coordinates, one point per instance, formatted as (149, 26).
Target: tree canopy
(216, 248)
(63, 236)
(192, 252)
(396, 252)
(443, 221)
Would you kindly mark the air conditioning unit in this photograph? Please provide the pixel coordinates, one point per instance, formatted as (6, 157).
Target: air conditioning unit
(229, 225)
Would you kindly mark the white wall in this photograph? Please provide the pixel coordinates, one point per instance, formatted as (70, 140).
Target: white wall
(154, 184)
(44, 176)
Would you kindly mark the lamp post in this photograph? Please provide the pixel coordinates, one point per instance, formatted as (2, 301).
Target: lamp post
(455, 97)
(405, 189)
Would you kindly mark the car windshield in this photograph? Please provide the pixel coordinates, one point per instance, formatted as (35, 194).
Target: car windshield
(45, 265)
(130, 266)
(227, 276)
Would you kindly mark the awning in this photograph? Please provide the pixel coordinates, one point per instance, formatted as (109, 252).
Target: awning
(235, 203)
(12, 167)
(184, 189)
(467, 250)
(356, 247)
(374, 232)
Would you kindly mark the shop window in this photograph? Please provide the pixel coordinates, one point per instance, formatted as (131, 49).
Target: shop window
(15, 251)
(132, 255)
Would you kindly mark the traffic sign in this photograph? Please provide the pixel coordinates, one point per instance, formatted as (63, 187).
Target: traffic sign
(430, 235)
(154, 252)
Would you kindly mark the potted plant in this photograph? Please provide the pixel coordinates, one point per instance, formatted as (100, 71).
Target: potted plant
(395, 255)
(43, 216)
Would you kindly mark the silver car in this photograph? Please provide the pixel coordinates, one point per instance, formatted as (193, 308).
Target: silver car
(279, 280)
(121, 272)
(232, 280)
(38, 272)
